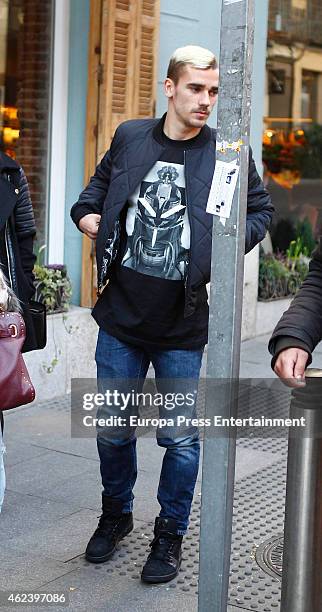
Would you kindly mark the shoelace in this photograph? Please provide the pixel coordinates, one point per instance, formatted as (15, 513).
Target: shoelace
(162, 547)
(107, 525)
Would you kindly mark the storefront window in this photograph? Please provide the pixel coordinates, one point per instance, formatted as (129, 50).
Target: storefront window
(25, 77)
(292, 142)
(309, 94)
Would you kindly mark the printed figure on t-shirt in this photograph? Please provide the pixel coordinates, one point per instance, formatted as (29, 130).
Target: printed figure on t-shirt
(157, 224)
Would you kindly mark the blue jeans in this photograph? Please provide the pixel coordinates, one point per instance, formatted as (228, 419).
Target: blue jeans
(129, 364)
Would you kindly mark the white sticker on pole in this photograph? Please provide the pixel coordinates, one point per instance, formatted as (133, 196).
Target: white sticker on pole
(222, 189)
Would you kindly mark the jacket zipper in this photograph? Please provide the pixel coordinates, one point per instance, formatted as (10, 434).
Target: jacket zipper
(10, 255)
(7, 253)
(186, 284)
(6, 230)
(116, 240)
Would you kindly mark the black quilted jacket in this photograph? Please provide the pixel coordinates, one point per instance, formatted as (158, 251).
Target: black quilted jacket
(133, 151)
(17, 230)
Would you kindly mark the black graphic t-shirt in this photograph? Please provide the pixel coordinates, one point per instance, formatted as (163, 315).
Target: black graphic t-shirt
(143, 303)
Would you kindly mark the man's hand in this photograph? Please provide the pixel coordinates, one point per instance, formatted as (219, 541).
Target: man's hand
(290, 366)
(89, 225)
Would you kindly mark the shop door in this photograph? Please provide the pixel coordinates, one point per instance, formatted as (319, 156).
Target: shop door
(122, 81)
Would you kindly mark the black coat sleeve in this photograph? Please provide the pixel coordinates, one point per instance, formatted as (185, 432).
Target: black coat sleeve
(28, 260)
(259, 208)
(25, 230)
(285, 342)
(24, 214)
(92, 197)
(303, 319)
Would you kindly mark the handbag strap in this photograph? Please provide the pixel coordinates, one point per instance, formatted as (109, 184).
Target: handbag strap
(1, 421)
(9, 333)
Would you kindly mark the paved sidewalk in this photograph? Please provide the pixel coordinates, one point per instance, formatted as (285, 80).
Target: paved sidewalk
(53, 501)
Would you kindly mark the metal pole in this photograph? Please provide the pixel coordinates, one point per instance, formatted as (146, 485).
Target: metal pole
(235, 64)
(302, 554)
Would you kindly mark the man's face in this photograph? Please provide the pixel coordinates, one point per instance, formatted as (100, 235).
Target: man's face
(194, 96)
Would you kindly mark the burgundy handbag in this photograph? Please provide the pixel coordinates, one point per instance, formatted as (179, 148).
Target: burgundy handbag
(16, 387)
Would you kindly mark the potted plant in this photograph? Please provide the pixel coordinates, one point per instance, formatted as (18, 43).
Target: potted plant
(53, 287)
(281, 275)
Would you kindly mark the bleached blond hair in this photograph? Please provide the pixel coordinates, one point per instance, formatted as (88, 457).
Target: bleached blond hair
(198, 57)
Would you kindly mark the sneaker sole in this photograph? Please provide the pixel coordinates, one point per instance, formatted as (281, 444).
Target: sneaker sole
(109, 555)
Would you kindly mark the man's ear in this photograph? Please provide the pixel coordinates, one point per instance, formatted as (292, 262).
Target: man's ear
(169, 87)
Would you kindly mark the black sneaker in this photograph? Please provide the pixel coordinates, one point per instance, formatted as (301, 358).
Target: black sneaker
(112, 527)
(164, 560)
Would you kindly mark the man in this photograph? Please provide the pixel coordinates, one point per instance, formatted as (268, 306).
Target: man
(146, 206)
(300, 328)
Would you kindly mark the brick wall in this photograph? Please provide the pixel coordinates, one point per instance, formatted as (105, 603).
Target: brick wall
(33, 102)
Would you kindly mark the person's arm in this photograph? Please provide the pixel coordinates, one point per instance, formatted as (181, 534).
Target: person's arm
(300, 327)
(259, 208)
(86, 212)
(291, 358)
(28, 260)
(284, 343)
(25, 229)
(90, 201)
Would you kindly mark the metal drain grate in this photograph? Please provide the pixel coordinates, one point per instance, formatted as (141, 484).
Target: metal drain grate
(269, 556)
(258, 513)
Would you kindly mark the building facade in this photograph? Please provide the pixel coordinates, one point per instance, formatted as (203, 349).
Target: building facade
(25, 93)
(293, 117)
(74, 69)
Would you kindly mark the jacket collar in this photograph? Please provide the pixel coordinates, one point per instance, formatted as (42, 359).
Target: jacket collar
(7, 163)
(142, 155)
(159, 123)
(8, 195)
(8, 200)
